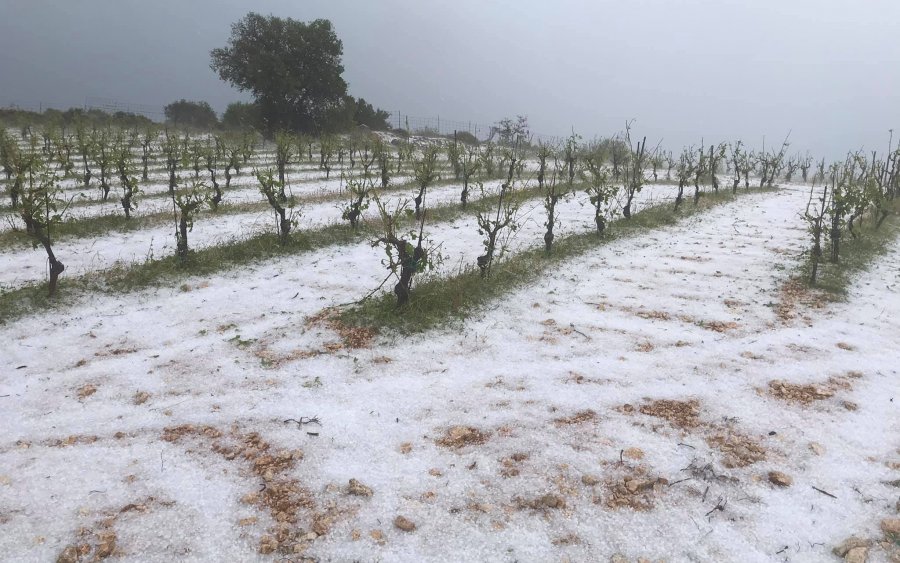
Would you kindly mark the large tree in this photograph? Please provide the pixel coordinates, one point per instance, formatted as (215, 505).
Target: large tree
(184, 113)
(371, 117)
(293, 69)
(241, 115)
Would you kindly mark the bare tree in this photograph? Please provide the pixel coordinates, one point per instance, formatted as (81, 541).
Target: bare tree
(470, 166)
(125, 168)
(634, 172)
(359, 190)
(425, 172)
(815, 219)
(186, 205)
(600, 189)
(272, 189)
(687, 168)
(736, 155)
(41, 209)
(491, 224)
(404, 260)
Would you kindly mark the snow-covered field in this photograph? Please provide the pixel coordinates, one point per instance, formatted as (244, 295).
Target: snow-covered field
(84, 255)
(632, 404)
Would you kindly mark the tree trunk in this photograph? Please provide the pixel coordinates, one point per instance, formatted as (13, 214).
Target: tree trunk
(408, 266)
(418, 202)
(835, 242)
(126, 204)
(217, 192)
(56, 267)
(172, 180)
(599, 221)
(182, 248)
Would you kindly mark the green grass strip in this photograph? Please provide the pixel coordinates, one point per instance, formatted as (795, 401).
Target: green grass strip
(437, 301)
(102, 224)
(857, 254)
(15, 303)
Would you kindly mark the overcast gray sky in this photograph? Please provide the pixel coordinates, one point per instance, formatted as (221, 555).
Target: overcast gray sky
(829, 70)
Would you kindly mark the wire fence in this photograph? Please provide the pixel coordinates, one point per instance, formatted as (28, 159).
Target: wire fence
(437, 125)
(417, 125)
(112, 106)
(108, 105)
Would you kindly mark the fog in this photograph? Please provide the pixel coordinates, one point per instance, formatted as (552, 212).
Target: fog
(828, 71)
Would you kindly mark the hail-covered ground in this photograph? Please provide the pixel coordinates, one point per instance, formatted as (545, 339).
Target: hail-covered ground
(669, 396)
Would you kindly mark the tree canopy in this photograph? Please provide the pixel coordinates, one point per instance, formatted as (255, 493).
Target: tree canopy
(373, 118)
(293, 69)
(241, 115)
(184, 113)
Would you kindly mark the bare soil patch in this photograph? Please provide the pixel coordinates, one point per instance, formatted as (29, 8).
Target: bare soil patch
(682, 414)
(457, 437)
(283, 497)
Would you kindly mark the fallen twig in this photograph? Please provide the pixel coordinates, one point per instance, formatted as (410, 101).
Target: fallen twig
(720, 506)
(304, 420)
(826, 493)
(572, 326)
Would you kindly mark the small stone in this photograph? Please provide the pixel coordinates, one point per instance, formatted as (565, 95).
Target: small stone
(68, 555)
(850, 405)
(780, 479)
(140, 397)
(405, 448)
(247, 521)
(618, 558)
(848, 544)
(106, 546)
(857, 555)
(356, 488)
(267, 544)
(633, 453)
(816, 448)
(553, 501)
(589, 480)
(355, 535)
(86, 390)
(322, 524)
(435, 472)
(891, 528)
(404, 524)
(637, 485)
(378, 536)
